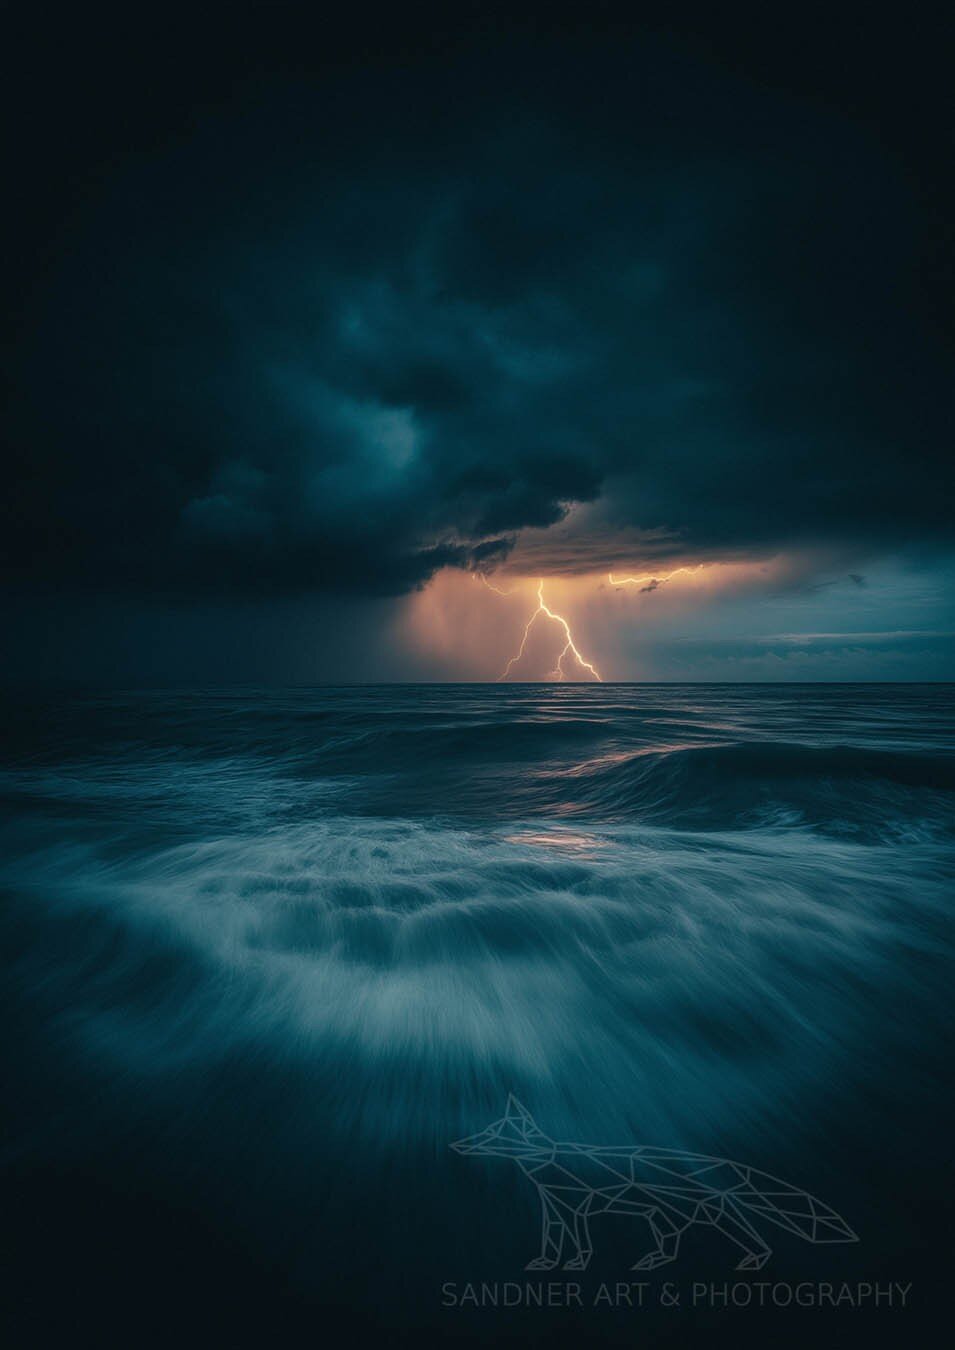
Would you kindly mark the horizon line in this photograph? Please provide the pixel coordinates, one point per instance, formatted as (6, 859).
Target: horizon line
(80, 683)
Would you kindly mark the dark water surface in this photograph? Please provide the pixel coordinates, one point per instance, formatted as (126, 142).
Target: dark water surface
(267, 953)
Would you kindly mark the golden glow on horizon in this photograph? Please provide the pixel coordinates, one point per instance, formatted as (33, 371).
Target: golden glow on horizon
(558, 671)
(446, 630)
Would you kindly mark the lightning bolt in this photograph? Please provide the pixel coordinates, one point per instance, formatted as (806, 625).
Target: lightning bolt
(496, 589)
(558, 671)
(569, 646)
(642, 581)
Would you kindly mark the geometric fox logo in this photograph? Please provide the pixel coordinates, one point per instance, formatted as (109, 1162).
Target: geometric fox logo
(668, 1188)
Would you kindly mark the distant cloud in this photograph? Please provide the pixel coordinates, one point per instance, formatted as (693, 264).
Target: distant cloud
(829, 639)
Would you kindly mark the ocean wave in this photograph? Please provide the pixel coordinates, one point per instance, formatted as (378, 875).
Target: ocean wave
(427, 957)
(267, 953)
(840, 787)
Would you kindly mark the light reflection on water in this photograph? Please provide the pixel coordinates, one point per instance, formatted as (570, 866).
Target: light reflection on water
(559, 840)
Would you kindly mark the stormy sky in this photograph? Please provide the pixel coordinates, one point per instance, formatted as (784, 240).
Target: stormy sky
(314, 322)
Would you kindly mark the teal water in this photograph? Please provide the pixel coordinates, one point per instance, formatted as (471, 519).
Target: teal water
(269, 952)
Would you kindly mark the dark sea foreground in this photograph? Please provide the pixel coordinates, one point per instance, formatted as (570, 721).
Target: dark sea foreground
(266, 954)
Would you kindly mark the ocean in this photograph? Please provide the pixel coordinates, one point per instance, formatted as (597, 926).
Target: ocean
(268, 953)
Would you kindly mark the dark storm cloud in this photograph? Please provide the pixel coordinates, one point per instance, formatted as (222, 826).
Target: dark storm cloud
(339, 332)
